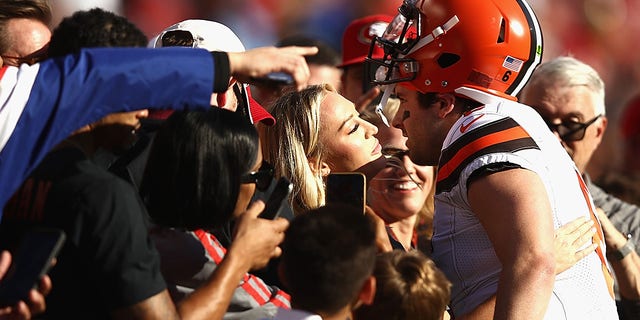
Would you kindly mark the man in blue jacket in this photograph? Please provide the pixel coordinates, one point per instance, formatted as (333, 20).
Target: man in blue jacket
(42, 104)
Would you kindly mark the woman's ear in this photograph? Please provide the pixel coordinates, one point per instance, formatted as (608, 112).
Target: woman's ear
(447, 102)
(322, 167)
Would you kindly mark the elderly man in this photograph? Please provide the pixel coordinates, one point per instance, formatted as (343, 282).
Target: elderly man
(569, 95)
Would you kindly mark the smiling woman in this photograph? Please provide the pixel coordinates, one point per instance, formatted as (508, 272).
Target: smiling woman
(318, 131)
(402, 193)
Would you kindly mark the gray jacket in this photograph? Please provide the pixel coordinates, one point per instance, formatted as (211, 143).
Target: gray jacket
(624, 216)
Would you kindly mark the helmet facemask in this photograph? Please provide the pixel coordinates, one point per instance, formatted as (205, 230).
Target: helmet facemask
(441, 46)
(399, 38)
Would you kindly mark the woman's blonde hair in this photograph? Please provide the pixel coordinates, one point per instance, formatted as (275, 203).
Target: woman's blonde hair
(293, 145)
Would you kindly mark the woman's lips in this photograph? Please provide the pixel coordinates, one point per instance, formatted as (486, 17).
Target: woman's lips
(377, 149)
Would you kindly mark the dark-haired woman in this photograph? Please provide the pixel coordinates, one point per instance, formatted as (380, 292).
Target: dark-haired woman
(202, 172)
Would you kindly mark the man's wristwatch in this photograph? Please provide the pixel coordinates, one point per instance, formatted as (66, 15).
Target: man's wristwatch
(619, 254)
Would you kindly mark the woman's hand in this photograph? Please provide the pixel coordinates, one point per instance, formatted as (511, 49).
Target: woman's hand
(613, 239)
(36, 301)
(569, 239)
(257, 240)
(382, 238)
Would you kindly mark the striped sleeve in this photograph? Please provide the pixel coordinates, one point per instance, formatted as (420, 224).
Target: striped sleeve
(250, 287)
(504, 135)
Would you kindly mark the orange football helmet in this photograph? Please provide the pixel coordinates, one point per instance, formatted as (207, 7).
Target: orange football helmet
(442, 45)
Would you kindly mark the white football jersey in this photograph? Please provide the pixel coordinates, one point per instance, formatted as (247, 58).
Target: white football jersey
(504, 131)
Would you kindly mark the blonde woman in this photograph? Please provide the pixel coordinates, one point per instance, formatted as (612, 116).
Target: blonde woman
(317, 132)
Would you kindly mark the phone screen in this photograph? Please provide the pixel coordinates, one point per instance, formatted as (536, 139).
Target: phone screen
(277, 199)
(275, 79)
(30, 262)
(348, 188)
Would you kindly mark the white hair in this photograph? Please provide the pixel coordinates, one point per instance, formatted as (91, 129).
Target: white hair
(571, 72)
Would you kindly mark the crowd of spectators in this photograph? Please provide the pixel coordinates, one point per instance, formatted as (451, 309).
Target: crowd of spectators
(150, 134)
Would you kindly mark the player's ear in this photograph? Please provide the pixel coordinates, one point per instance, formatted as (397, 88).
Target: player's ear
(446, 103)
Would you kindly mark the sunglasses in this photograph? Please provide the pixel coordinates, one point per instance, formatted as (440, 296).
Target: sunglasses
(262, 178)
(30, 59)
(571, 130)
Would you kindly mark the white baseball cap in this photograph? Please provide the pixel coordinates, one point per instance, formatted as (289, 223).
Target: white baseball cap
(206, 34)
(214, 36)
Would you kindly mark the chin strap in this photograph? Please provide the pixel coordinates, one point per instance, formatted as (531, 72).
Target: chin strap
(383, 102)
(438, 31)
(421, 43)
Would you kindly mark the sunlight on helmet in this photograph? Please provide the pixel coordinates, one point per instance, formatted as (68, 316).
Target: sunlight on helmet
(395, 28)
(450, 51)
(517, 28)
(381, 73)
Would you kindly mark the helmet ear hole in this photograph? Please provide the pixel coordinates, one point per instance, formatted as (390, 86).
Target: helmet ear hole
(503, 28)
(447, 59)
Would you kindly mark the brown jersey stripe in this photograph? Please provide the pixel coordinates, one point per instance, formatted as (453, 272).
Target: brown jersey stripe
(500, 136)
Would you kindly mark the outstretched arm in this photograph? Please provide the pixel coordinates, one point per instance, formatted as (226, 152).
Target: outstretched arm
(45, 102)
(518, 223)
(627, 269)
(256, 63)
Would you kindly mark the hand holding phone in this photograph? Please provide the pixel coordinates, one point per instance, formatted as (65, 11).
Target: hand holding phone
(31, 261)
(277, 199)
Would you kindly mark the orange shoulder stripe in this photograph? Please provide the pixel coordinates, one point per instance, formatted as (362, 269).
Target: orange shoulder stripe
(482, 142)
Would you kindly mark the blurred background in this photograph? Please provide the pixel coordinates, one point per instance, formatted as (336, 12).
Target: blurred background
(602, 33)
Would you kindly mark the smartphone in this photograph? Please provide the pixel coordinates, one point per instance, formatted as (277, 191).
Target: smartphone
(277, 199)
(348, 188)
(275, 79)
(32, 260)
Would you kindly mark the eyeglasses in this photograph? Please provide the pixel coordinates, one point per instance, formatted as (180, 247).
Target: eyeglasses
(29, 59)
(571, 130)
(395, 159)
(262, 178)
(395, 152)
